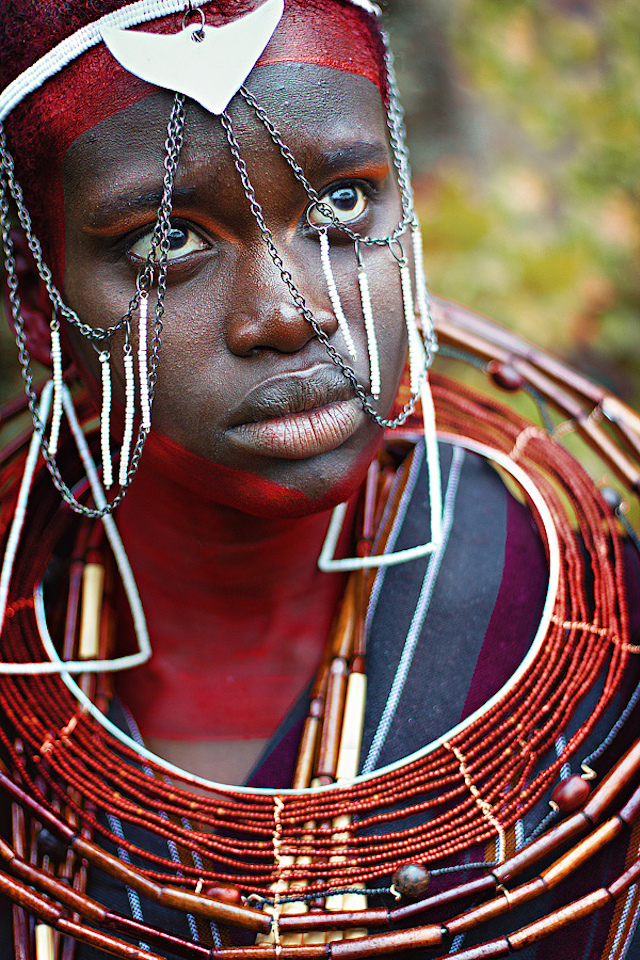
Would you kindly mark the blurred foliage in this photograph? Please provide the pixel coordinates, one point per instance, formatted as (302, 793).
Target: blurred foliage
(534, 219)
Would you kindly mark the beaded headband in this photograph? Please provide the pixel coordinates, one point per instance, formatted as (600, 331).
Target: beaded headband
(78, 43)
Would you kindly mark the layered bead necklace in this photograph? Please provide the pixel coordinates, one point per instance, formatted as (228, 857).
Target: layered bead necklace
(310, 856)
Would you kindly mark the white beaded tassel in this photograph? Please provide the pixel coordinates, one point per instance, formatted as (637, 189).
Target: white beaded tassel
(369, 324)
(416, 352)
(105, 420)
(129, 410)
(421, 284)
(143, 373)
(56, 359)
(334, 295)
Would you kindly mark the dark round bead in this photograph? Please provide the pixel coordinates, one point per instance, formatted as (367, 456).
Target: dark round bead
(411, 880)
(611, 497)
(505, 376)
(227, 894)
(571, 794)
(51, 846)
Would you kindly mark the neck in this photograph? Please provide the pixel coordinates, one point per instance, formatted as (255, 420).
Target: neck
(238, 612)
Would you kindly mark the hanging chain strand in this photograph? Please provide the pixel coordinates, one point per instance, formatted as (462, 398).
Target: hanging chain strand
(157, 260)
(347, 371)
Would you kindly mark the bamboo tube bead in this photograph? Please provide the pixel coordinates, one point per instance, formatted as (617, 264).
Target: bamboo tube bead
(307, 751)
(631, 810)
(92, 593)
(622, 775)
(61, 892)
(330, 740)
(570, 862)
(21, 936)
(352, 726)
(88, 850)
(384, 944)
(101, 941)
(473, 888)
(243, 917)
(39, 906)
(534, 932)
(38, 811)
(320, 952)
(629, 877)
(146, 934)
(45, 947)
(495, 908)
(335, 920)
(542, 847)
(342, 643)
(493, 950)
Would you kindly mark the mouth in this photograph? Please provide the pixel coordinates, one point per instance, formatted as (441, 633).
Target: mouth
(298, 415)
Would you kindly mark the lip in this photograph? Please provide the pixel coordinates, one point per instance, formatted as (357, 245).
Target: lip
(296, 415)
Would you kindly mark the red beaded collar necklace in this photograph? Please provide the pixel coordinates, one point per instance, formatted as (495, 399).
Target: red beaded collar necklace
(306, 854)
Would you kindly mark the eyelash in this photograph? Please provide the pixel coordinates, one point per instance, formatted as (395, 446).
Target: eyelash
(176, 225)
(366, 187)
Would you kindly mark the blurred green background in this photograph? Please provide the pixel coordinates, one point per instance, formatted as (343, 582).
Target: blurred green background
(523, 120)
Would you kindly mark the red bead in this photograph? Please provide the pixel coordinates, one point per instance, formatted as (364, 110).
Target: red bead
(571, 794)
(505, 376)
(227, 894)
(411, 880)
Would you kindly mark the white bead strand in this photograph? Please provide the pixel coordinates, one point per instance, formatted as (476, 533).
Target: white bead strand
(369, 324)
(416, 352)
(334, 295)
(143, 373)
(422, 294)
(56, 359)
(105, 420)
(129, 410)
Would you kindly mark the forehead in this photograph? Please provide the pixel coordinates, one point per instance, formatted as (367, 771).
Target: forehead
(319, 111)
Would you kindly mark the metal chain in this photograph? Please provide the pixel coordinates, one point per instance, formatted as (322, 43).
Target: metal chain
(299, 300)
(94, 333)
(160, 242)
(311, 192)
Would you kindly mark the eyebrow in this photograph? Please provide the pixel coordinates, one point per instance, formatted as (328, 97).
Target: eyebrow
(363, 156)
(133, 201)
(362, 153)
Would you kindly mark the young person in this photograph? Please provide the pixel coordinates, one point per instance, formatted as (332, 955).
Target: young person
(218, 243)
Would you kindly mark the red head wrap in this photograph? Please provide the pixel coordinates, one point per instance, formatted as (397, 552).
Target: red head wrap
(331, 33)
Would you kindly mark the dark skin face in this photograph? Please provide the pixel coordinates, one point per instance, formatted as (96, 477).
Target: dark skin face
(240, 367)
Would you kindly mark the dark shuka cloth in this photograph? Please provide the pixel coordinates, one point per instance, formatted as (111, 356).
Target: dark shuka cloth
(428, 670)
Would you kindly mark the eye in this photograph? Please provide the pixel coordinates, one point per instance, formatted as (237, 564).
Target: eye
(182, 241)
(347, 202)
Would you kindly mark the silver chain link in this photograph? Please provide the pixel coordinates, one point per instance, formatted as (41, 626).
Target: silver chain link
(298, 298)
(158, 258)
(160, 245)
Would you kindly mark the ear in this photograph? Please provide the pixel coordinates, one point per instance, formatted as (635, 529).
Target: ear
(34, 299)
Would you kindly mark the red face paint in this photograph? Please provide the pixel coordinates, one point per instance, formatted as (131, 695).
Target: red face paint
(253, 658)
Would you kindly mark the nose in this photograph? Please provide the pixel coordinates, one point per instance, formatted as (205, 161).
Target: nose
(264, 315)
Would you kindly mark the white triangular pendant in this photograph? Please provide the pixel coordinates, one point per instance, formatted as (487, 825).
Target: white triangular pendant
(210, 70)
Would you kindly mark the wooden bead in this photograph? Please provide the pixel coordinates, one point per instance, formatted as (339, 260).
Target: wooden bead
(571, 794)
(411, 880)
(226, 894)
(505, 376)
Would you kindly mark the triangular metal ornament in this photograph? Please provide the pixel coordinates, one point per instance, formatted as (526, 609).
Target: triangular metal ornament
(208, 64)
